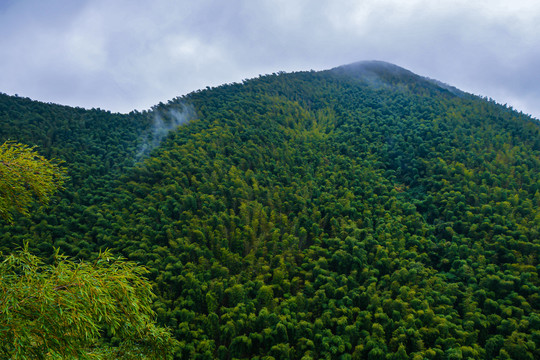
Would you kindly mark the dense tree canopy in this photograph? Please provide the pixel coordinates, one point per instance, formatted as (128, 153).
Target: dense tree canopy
(363, 212)
(62, 310)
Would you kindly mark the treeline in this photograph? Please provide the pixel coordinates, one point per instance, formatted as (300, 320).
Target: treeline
(317, 215)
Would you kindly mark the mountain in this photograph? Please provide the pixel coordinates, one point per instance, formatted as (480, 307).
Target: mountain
(358, 212)
(380, 73)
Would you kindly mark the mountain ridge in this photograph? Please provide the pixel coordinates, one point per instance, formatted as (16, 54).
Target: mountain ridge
(375, 72)
(309, 215)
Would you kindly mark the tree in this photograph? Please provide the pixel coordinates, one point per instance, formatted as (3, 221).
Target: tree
(65, 309)
(25, 175)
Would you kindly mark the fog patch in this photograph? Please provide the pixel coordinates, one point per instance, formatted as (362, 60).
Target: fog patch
(164, 122)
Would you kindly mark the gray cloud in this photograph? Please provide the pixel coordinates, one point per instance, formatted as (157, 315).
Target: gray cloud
(121, 55)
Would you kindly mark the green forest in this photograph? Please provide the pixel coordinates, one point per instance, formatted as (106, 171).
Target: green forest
(362, 212)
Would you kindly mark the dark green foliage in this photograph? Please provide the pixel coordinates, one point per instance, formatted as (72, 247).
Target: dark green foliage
(358, 213)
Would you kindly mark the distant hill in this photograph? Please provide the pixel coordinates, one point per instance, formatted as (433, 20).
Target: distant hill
(362, 212)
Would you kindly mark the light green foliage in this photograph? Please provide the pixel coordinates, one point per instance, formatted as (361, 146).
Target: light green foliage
(62, 310)
(24, 176)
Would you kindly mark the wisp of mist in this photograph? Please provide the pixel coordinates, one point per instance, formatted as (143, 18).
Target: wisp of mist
(163, 123)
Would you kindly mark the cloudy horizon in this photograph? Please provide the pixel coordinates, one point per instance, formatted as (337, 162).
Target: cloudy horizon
(125, 55)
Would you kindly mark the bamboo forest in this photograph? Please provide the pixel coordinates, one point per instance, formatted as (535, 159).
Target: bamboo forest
(362, 212)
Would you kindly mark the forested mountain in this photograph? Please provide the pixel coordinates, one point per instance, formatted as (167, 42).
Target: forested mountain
(363, 212)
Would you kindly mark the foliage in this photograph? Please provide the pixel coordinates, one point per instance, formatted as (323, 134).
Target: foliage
(62, 310)
(362, 212)
(24, 175)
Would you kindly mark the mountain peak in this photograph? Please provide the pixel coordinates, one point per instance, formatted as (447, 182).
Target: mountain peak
(382, 74)
(373, 66)
(370, 68)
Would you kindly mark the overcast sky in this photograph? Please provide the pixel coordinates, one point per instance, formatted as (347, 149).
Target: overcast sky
(122, 55)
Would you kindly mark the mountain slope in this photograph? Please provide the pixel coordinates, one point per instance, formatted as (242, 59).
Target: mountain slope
(359, 212)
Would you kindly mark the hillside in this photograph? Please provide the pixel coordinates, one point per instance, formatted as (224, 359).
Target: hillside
(361, 212)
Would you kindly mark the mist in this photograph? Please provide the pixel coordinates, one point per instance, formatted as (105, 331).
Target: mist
(163, 123)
